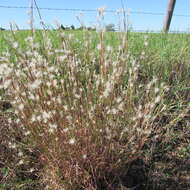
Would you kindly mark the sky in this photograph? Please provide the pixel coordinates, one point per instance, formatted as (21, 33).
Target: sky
(146, 22)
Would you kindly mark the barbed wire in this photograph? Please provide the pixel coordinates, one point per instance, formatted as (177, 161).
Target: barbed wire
(88, 10)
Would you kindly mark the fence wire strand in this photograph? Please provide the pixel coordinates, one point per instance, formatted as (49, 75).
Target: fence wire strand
(87, 10)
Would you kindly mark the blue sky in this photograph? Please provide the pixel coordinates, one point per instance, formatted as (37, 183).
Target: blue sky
(138, 21)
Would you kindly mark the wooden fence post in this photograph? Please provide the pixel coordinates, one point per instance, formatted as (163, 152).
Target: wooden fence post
(169, 14)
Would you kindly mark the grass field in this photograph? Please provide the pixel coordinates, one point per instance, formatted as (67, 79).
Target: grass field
(164, 50)
(133, 90)
(165, 45)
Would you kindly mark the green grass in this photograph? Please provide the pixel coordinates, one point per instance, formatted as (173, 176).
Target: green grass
(165, 46)
(164, 51)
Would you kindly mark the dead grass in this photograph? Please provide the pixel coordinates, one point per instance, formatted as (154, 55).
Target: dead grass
(168, 167)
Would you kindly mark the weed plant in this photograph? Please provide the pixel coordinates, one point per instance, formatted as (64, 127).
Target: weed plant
(88, 111)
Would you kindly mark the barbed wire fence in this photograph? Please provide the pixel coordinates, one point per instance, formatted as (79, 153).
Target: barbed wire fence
(132, 12)
(88, 10)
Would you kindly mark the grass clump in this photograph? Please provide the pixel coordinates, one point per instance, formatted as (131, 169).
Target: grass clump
(89, 112)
